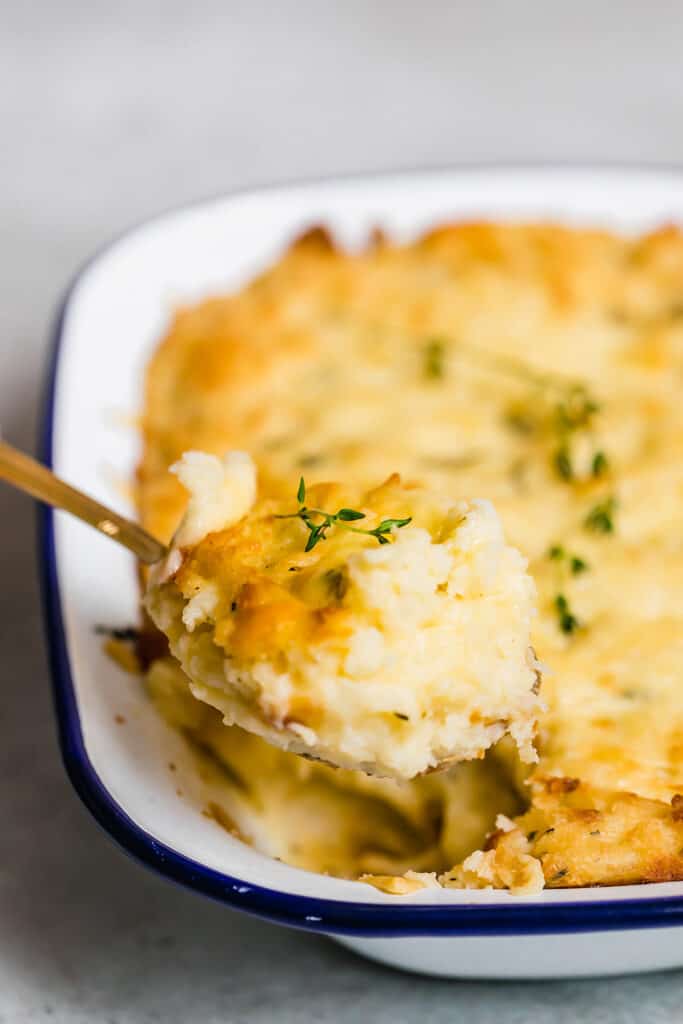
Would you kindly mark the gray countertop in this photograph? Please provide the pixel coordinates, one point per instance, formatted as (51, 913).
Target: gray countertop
(110, 112)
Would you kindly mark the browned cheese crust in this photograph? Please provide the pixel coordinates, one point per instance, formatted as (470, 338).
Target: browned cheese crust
(534, 365)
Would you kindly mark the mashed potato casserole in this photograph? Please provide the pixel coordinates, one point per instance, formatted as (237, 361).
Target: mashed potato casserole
(394, 646)
(535, 366)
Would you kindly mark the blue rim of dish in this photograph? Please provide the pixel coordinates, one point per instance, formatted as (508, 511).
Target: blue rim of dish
(371, 920)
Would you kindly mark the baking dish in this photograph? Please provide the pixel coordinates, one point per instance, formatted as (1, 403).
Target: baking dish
(116, 749)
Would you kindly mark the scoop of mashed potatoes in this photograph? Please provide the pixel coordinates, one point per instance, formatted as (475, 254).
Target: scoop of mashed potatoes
(395, 640)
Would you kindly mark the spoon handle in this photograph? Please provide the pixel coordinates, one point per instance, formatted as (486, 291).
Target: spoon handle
(28, 475)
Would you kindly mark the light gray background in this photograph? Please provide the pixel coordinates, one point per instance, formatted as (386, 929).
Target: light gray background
(110, 112)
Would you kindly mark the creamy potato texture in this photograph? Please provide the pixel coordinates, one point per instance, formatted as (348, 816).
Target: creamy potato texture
(534, 365)
(390, 635)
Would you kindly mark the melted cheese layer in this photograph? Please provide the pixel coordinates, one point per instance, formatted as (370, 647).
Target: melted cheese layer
(459, 361)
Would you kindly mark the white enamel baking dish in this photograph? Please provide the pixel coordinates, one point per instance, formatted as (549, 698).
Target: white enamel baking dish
(108, 324)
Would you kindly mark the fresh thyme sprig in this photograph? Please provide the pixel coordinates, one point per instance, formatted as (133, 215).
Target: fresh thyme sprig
(573, 415)
(318, 522)
(561, 418)
(567, 408)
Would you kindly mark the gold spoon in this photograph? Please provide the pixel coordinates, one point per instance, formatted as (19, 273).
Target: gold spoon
(28, 475)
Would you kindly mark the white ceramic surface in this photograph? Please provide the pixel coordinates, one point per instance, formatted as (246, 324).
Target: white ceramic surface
(529, 957)
(113, 317)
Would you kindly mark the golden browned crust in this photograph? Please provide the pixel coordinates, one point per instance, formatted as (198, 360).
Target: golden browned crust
(586, 836)
(441, 359)
(274, 594)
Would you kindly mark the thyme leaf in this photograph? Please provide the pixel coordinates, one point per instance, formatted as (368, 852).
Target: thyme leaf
(600, 518)
(434, 359)
(600, 464)
(567, 621)
(568, 564)
(576, 564)
(576, 411)
(563, 462)
(349, 515)
(318, 522)
(382, 533)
